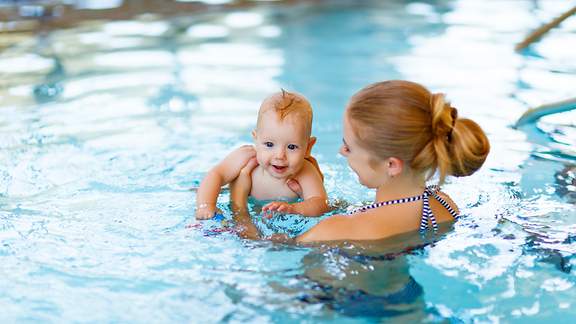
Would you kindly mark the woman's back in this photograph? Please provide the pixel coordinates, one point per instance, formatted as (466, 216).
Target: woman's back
(396, 217)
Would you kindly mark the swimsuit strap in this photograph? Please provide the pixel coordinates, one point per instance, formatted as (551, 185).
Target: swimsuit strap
(385, 203)
(444, 203)
(427, 214)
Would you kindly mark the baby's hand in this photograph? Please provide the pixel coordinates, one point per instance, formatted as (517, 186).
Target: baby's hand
(203, 211)
(277, 206)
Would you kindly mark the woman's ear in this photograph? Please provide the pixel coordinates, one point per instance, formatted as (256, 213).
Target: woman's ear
(395, 166)
(311, 143)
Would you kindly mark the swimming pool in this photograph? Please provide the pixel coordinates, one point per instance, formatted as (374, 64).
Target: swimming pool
(106, 127)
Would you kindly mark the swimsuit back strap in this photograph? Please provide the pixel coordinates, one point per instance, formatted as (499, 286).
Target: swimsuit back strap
(446, 205)
(385, 203)
(427, 214)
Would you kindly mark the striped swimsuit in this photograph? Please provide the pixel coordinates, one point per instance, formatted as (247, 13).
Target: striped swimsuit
(427, 214)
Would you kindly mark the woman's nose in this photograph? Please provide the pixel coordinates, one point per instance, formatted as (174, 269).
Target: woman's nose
(342, 150)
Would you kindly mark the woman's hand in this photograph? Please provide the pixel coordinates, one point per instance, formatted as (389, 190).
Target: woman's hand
(241, 186)
(239, 191)
(295, 186)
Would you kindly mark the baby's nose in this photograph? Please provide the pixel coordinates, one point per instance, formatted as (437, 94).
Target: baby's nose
(281, 153)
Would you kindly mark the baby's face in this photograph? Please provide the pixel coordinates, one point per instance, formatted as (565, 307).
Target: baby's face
(281, 145)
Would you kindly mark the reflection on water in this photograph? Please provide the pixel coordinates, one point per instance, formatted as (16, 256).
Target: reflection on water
(566, 180)
(106, 125)
(359, 286)
(368, 280)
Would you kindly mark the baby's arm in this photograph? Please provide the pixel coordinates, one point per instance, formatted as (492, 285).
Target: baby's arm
(313, 192)
(223, 173)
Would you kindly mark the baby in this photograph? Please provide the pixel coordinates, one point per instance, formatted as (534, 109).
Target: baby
(282, 146)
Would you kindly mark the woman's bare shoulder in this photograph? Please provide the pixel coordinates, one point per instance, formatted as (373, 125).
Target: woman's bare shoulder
(449, 200)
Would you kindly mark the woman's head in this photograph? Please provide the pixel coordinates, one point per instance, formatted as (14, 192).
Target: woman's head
(403, 120)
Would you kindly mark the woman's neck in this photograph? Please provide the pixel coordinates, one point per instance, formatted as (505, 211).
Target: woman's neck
(401, 186)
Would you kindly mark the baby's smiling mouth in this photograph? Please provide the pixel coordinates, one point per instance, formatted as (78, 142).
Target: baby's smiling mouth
(279, 168)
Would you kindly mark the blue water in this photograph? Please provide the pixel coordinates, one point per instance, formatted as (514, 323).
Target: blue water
(105, 128)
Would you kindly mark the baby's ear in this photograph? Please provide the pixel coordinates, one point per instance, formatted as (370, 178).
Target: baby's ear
(254, 134)
(311, 143)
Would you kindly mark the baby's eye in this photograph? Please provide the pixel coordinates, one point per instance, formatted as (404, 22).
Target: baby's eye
(268, 144)
(292, 146)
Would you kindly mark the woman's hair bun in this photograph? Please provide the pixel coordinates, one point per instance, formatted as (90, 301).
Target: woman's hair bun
(469, 147)
(460, 144)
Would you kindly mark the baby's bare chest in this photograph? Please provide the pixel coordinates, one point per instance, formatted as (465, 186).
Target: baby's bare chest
(265, 187)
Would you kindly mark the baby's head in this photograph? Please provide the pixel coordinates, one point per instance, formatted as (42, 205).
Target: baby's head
(282, 135)
(412, 130)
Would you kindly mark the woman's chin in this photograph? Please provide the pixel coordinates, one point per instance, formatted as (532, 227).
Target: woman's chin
(367, 184)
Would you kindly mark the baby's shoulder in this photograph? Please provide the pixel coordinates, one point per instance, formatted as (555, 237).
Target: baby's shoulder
(309, 168)
(305, 173)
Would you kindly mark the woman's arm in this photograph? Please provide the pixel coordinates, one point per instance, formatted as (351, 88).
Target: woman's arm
(239, 191)
(333, 228)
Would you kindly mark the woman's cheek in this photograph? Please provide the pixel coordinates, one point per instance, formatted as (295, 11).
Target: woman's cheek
(357, 169)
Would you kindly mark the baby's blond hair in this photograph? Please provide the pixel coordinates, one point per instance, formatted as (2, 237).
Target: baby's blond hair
(286, 104)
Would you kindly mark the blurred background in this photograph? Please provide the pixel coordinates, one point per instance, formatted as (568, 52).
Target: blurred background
(112, 111)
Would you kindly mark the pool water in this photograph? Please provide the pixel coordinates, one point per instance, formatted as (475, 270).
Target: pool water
(106, 128)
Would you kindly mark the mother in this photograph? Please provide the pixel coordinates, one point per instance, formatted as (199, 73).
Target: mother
(397, 135)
